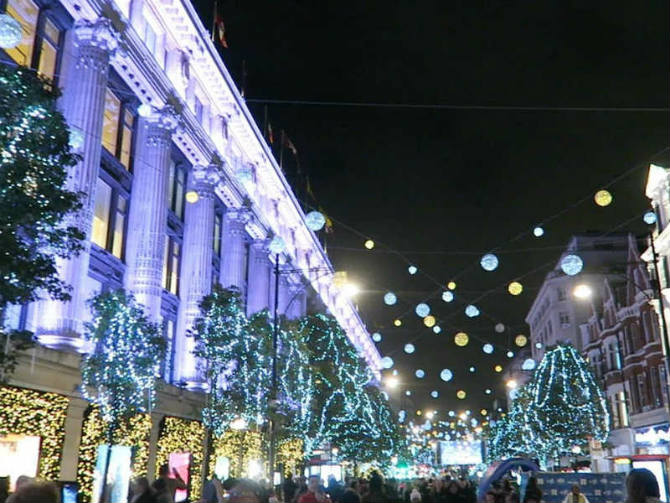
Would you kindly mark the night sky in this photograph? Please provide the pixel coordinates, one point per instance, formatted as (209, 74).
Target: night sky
(444, 186)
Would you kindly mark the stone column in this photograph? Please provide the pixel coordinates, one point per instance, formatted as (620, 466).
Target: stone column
(58, 324)
(296, 307)
(260, 271)
(145, 247)
(196, 269)
(73, 424)
(233, 258)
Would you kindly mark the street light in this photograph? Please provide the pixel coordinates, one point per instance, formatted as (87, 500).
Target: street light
(583, 291)
(511, 384)
(392, 382)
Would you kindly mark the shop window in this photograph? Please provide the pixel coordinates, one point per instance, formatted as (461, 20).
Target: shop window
(171, 264)
(217, 234)
(176, 187)
(117, 129)
(109, 219)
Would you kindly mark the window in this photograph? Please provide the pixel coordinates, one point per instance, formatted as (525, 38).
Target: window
(564, 319)
(25, 12)
(171, 264)
(109, 219)
(177, 184)
(634, 395)
(642, 389)
(656, 398)
(117, 129)
(150, 38)
(217, 234)
(561, 293)
(664, 381)
(167, 364)
(198, 109)
(622, 409)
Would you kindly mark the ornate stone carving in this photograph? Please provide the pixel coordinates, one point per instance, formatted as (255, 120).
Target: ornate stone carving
(161, 125)
(97, 41)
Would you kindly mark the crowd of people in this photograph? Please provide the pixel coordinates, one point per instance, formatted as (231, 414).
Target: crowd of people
(641, 487)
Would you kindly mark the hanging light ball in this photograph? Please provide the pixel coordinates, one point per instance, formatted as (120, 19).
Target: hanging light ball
(420, 374)
(461, 339)
(500, 328)
(451, 285)
(422, 310)
(387, 362)
(412, 270)
(192, 197)
(460, 394)
(538, 232)
(488, 391)
(487, 348)
(489, 262)
(315, 220)
(11, 33)
(515, 288)
(446, 375)
(538, 345)
(572, 265)
(510, 354)
(472, 370)
(369, 244)
(437, 329)
(649, 218)
(429, 321)
(377, 337)
(603, 198)
(528, 364)
(521, 340)
(277, 245)
(434, 394)
(471, 311)
(408, 393)
(390, 298)
(447, 296)
(498, 368)
(409, 348)
(397, 322)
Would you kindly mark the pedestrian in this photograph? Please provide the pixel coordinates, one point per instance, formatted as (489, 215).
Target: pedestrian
(4, 489)
(213, 491)
(34, 492)
(314, 493)
(642, 487)
(290, 488)
(376, 492)
(533, 492)
(165, 486)
(142, 491)
(245, 491)
(351, 494)
(575, 496)
(334, 490)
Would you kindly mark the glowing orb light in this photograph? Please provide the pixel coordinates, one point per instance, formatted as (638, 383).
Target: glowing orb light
(397, 323)
(451, 413)
(145, 110)
(603, 198)
(434, 394)
(538, 232)
(387, 362)
(422, 310)
(498, 368)
(277, 245)
(446, 375)
(460, 394)
(409, 348)
(572, 265)
(429, 321)
(447, 296)
(521, 340)
(369, 244)
(451, 285)
(390, 298)
(649, 218)
(408, 393)
(471, 311)
(487, 348)
(412, 270)
(500, 328)
(472, 369)
(488, 391)
(192, 197)
(528, 364)
(489, 262)
(10, 32)
(461, 339)
(420, 374)
(315, 220)
(377, 337)
(538, 345)
(515, 288)
(437, 329)
(483, 412)
(510, 354)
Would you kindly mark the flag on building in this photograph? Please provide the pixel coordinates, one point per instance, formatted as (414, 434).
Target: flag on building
(289, 144)
(270, 134)
(219, 29)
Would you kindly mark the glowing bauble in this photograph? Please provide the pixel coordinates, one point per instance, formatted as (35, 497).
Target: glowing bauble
(538, 232)
(521, 340)
(528, 364)
(538, 345)
(489, 262)
(488, 391)
(515, 288)
(460, 394)
(461, 339)
(471, 311)
(603, 198)
(451, 285)
(408, 393)
(472, 369)
(387, 362)
(429, 321)
(510, 354)
(437, 329)
(10, 32)
(390, 298)
(447, 296)
(649, 218)
(572, 265)
(315, 220)
(498, 368)
(483, 412)
(422, 310)
(145, 110)
(500, 328)
(377, 337)
(434, 394)
(420, 374)
(277, 245)
(487, 348)
(451, 413)
(446, 375)
(369, 244)
(397, 323)
(192, 197)
(409, 348)
(412, 270)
